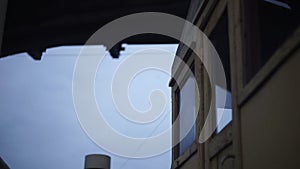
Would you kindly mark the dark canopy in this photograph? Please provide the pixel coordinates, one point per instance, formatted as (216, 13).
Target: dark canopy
(34, 25)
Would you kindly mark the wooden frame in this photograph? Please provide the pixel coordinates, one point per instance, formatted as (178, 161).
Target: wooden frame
(219, 142)
(236, 51)
(175, 113)
(212, 11)
(215, 16)
(180, 160)
(241, 93)
(281, 54)
(206, 18)
(276, 59)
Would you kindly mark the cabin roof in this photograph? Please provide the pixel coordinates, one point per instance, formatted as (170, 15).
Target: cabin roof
(32, 26)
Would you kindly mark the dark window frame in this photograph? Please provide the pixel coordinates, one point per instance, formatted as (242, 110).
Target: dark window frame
(257, 52)
(280, 55)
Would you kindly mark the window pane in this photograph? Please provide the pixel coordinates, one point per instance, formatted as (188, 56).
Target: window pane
(220, 40)
(187, 114)
(277, 20)
(224, 114)
(268, 24)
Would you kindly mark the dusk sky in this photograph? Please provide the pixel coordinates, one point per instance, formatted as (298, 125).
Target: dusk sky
(38, 125)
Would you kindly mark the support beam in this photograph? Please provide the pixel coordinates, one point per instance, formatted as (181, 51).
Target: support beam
(3, 8)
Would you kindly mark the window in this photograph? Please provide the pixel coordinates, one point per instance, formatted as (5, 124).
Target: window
(187, 114)
(268, 23)
(224, 114)
(220, 40)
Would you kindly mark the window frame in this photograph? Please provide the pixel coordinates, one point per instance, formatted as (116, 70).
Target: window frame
(206, 20)
(212, 21)
(289, 45)
(218, 141)
(176, 101)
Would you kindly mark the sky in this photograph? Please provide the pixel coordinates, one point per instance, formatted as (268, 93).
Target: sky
(39, 127)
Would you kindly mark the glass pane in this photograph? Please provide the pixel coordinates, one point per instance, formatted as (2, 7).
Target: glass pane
(224, 114)
(187, 114)
(220, 40)
(269, 23)
(277, 20)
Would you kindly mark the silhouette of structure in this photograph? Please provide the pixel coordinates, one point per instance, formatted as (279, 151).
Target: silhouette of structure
(33, 26)
(3, 165)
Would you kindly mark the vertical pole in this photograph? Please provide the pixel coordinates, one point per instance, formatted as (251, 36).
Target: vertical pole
(3, 8)
(97, 161)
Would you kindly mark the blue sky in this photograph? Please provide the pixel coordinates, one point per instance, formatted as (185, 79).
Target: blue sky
(38, 125)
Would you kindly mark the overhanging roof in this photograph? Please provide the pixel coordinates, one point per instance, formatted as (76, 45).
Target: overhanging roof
(34, 25)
